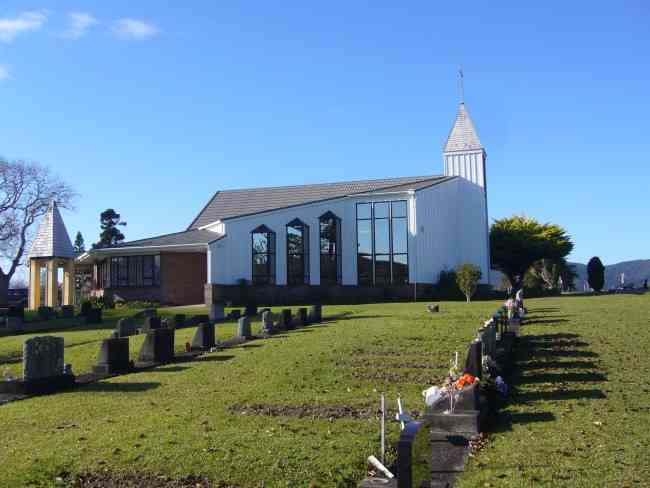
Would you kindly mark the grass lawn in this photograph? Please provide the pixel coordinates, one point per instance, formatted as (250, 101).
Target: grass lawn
(579, 417)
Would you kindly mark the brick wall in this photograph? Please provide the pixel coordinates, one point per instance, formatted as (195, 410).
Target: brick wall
(182, 278)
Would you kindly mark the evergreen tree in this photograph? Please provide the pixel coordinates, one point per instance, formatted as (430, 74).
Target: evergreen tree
(596, 274)
(79, 244)
(110, 235)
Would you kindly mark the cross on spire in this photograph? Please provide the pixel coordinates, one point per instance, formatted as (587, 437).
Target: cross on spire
(461, 85)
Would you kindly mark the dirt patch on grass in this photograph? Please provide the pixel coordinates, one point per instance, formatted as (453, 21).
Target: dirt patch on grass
(325, 412)
(138, 480)
(306, 411)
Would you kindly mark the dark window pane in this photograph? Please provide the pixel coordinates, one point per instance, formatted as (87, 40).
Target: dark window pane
(328, 236)
(363, 211)
(382, 236)
(156, 270)
(295, 269)
(381, 210)
(400, 233)
(364, 233)
(400, 269)
(364, 266)
(382, 270)
(328, 269)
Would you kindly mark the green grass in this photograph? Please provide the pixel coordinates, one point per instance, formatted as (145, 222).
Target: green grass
(580, 415)
(178, 420)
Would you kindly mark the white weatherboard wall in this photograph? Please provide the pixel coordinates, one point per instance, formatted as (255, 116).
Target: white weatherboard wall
(451, 229)
(446, 226)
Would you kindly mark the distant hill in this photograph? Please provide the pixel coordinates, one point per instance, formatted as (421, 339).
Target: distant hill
(635, 272)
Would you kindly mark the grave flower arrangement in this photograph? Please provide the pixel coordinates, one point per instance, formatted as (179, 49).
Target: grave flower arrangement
(465, 380)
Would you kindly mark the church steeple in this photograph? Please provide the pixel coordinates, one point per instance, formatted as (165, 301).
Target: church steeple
(464, 154)
(52, 239)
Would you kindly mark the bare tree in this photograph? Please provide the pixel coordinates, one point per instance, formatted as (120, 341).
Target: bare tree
(26, 190)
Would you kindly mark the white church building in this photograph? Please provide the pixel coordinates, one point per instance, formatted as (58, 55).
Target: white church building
(346, 241)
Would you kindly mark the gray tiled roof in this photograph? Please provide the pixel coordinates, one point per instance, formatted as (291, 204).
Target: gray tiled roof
(463, 134)
(228, 204)
(52, 239)
(189, 237)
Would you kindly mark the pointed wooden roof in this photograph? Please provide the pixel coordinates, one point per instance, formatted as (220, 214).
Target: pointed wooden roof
(52, 239)
(463, 136)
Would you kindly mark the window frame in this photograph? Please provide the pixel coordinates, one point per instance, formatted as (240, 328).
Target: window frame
(302, 278)
(391, 218)
(267, 278)
(338, 262)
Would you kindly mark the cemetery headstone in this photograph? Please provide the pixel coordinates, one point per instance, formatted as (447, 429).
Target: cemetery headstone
(113, 356)
(125, 327)
(474, 361)
(179, 320)
(67, 311)
(203, 337)
(316, 313)
(217, 312)
(45, 313)
(151, 323)
(250, 310)
(14, 324)
(285, 319)
(94, 316)
(244, 328)
(43, 357)
(158, 346)
(267, 322)
(302, 316)
(16, 311)
(235, 314)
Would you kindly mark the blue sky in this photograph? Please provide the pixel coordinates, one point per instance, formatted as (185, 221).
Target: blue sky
(149, 107)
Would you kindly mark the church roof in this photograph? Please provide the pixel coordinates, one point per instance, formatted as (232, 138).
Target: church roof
(52, 239)
(229, 204)
(463, 134)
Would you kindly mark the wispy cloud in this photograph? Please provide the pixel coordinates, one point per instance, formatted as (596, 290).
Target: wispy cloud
(133, 29)
(80, 22)
(4, 73)
(10, 27)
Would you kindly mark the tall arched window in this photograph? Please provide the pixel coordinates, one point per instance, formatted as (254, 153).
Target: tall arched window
(330, 249)
(263, 253)
(297, 253)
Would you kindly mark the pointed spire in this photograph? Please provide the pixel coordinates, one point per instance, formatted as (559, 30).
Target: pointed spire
(52, 239)
(463, 136)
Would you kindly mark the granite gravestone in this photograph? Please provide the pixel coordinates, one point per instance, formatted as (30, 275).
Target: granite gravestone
(316, 313)
(67, 311)
(250, 310)
(235, 314)
(151, 323)
(179, 320)
(217, 312)
(94, 316)
(302, 316)
(125, 327)
(244, 328)
(474, 361)
(113, 356)
(158, 346)
(267, 322)
(285, 319)
(43, 357)
(203, 337)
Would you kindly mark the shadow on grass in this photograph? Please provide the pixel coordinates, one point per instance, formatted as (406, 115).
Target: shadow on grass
(558, 364)
(120, 387)
(563, 378)
(546, 321)
(215, 359)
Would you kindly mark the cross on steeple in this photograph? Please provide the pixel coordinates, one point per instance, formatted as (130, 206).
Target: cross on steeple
(461, 85)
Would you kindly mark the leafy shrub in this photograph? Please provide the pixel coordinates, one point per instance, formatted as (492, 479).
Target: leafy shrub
(86, 305)
(447, 287)
(467, 277)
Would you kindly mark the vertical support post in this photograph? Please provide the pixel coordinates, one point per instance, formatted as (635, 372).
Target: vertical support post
(68, 283)
(51, 289)
(34, 284)
(383, 429)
